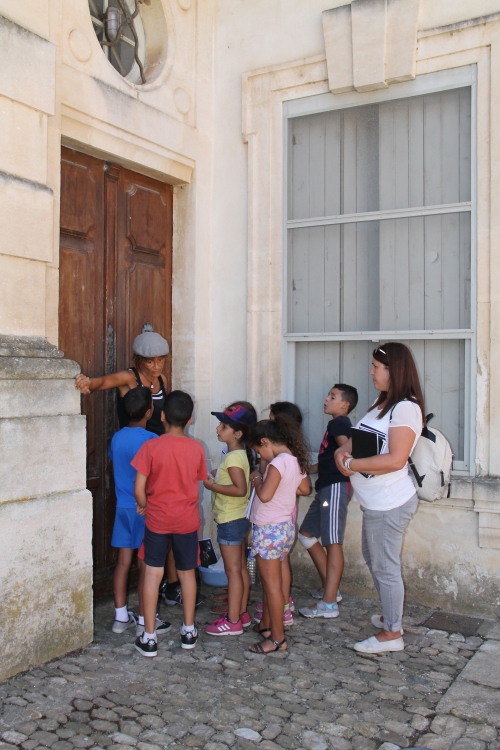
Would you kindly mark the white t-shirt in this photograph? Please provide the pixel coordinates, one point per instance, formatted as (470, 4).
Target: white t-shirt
(387, 491)
(280, 508)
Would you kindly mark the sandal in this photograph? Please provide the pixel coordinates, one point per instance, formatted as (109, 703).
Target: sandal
(220, 597)
(256, 648)
(258, 630)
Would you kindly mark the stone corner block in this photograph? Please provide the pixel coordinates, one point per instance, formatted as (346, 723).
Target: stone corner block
(33, 82)
(42, 455)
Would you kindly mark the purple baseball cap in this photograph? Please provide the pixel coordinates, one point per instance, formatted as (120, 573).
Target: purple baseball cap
(235, 416)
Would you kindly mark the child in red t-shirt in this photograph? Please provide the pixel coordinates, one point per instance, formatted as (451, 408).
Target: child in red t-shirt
(167, 490)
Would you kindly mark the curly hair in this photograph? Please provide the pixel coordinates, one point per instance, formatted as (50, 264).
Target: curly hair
(282, 430)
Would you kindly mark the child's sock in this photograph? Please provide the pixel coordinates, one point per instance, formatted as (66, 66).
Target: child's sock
(187, 629)
(148, 637)
(121, 614)
(141, 620)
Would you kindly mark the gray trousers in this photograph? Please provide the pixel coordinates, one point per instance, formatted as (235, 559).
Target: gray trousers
(382, 538)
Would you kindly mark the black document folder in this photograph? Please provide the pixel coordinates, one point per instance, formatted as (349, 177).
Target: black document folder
(365, 444)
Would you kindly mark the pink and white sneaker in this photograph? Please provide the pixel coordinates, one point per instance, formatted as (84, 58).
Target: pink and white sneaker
(260, 606)
(287, 618)
(224, 627)
(245, 619)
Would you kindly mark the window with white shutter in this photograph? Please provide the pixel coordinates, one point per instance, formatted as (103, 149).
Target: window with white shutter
(379, 240)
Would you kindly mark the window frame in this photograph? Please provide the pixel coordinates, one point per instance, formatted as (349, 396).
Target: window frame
(428, 83)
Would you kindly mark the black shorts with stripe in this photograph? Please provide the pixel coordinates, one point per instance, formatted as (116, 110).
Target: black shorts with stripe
(327, 514)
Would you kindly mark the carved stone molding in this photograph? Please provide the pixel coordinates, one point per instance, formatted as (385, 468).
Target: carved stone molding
(370, 44)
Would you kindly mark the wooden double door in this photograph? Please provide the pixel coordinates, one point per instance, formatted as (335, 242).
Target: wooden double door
(115, 269)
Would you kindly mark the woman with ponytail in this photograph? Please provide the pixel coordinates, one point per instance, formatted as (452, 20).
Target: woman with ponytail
(281, 443)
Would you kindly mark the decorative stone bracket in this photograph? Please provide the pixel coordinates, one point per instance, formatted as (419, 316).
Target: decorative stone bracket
(370, 44)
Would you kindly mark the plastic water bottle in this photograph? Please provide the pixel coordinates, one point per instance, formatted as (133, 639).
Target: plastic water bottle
(251, 567)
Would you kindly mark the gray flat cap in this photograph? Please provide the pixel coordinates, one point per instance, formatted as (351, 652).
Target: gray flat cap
(150, 344)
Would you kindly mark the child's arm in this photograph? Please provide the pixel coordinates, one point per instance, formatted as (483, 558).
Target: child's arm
(140, 493)
(341, 440)
(238, 488)
(266, 488)
(313, 469)
(304, 487)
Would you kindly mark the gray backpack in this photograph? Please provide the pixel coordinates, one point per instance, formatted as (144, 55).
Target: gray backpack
(430, 463)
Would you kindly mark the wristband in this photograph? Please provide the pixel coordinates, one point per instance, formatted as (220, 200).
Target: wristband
(347, 463)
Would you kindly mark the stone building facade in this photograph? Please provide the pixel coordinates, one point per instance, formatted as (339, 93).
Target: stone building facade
(229, 90)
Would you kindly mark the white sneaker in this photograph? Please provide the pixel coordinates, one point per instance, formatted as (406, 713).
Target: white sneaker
(318, 594)
(377, 622)
(373, 646)
(120, 627)
(321, 610)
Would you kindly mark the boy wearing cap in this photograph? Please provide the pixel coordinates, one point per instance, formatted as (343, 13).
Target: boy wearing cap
(230, 492)
(168, 471)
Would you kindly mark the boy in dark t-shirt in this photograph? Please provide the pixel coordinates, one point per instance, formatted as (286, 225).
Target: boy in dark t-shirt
(327, 514)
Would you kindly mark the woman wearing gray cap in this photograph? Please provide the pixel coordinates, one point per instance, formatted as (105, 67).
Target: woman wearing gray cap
(150, 350)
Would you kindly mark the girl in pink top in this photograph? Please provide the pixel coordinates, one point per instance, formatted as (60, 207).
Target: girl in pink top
(281, 443)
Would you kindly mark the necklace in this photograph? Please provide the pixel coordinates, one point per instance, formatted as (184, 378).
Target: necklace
(151, 383)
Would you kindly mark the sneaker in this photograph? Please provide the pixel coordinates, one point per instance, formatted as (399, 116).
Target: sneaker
(377, 622)
(291, 604)
(287, 618)
(173, 595)
(224, 627)
(245, 619)
(161, 627)
(189, 639)
(259, 608)
(120, 627)
(146, 649)
(322, 609)
(318, 594)
(372, 646)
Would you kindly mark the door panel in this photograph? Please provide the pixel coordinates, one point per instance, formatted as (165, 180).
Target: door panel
(115, 276)
(144, 261)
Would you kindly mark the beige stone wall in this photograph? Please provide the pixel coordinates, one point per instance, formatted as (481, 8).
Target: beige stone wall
(214, 130)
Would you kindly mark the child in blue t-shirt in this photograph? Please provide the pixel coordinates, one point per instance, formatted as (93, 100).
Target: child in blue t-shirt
(128, 529)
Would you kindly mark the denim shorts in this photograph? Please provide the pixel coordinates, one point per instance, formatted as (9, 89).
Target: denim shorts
(234, 532)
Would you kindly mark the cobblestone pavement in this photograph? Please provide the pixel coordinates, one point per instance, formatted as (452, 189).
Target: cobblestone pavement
(318, 695)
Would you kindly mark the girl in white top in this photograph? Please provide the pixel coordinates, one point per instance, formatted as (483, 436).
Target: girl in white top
(383, 487)
(281, 443)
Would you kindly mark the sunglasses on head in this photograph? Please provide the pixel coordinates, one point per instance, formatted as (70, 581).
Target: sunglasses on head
(379, 349)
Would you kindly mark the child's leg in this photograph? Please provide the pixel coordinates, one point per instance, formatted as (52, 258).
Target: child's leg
(245, 577)
(140, 586)
(286, 579)
(310, 530)
(187, 579)
(270, 575)
(172, 576)
(186, 557)
(318, 556)
(152, 580)
(120, 576)
(231, 554)
(334, 570)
